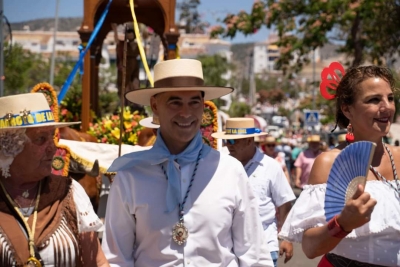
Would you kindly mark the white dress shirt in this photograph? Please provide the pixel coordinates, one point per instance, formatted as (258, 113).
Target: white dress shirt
(221, 215)
(272, 189)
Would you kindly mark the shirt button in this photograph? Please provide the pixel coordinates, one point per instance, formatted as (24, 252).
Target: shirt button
(188, 262)
(184, 180)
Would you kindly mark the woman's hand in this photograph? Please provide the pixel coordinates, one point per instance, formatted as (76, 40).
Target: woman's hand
(357, 210)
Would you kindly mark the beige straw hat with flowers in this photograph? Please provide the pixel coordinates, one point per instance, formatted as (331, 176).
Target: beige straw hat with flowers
(177, 75)
(27, 111)
(238, 128)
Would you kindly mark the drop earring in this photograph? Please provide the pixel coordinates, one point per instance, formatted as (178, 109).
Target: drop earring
(349, 135)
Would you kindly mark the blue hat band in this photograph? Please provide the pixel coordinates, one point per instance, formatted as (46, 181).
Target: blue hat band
(26, 118)
(242, 131)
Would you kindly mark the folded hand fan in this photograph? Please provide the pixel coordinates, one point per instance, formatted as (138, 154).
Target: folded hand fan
(349, 169)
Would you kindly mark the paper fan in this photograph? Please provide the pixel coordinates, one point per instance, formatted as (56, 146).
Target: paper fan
(349, 169)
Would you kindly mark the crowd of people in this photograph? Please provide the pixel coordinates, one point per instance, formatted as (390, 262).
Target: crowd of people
(182, 203)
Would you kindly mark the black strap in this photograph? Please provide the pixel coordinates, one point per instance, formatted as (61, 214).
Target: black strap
(339, 261)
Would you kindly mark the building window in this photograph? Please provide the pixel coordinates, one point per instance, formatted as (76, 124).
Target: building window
(59, 42)
(75, 42)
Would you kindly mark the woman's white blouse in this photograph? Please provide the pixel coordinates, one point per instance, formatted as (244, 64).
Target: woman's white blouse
(376, 242)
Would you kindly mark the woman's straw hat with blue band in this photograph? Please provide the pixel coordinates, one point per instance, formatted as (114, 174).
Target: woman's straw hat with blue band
(237, 128)
(27, 111)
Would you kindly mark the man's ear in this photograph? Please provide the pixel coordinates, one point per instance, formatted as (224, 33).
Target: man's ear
(153, 105)
(346, 110)
(250, 140)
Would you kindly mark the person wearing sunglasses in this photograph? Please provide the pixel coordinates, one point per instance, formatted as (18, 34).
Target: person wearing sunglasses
(266, 177)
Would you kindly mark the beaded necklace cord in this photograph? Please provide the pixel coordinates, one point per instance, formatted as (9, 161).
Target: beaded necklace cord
(25, 193)
(30, 231)
(182, 205)
(380, 176)
(26, 213)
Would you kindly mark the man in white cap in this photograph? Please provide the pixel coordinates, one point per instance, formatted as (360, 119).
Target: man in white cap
(266, 178)
(181, 203)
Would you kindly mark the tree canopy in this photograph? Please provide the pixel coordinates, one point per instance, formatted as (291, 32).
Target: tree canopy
(366, 30)
(190, 17)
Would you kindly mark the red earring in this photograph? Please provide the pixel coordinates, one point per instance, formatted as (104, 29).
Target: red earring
(349, 135)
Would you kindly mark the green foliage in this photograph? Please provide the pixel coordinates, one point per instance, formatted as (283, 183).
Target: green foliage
(189, 15)
(22, 70)
(214, 67)
(367, 29)
(239, 109)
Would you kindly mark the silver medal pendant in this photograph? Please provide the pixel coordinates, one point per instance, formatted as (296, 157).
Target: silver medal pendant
(180, 233)
(25, 194)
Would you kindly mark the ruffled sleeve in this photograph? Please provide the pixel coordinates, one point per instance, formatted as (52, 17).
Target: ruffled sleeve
(309, 212)
(88, 220)
(306, 213)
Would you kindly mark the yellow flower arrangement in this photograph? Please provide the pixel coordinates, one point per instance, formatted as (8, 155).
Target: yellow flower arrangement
(107, 130)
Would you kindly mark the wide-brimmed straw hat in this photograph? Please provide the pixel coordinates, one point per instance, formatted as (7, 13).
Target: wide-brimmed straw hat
(27, 111)
(238, 128)
(341, 138)
(314, 138)
(174, 76)
(150, 122)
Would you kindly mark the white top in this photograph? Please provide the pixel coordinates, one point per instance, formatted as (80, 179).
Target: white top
(87, 219)
(377, 242)
(272, 189)
(221, 216)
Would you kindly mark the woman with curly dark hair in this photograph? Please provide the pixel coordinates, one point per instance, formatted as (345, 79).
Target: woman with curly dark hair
(367, 231)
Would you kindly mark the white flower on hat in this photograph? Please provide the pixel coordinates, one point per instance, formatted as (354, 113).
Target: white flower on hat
(12, 143)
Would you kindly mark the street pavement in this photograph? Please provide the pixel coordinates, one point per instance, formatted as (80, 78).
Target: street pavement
(298, 259)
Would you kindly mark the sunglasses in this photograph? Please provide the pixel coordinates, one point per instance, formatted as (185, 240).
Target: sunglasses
(230, 141)
(270, 145)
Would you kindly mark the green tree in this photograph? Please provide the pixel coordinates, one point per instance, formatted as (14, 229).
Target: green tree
(367, 29)
(189, 15)
(239, 109)
(214, 68)
(23, 70)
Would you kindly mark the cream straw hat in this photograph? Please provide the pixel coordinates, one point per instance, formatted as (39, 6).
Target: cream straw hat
(238, 128)
(177, 75)
(27, 111)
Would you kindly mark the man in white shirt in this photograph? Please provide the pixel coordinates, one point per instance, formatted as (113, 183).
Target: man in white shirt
(181, 203)
(266, 178)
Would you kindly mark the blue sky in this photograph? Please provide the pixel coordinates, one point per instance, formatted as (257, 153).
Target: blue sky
(22, 10)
